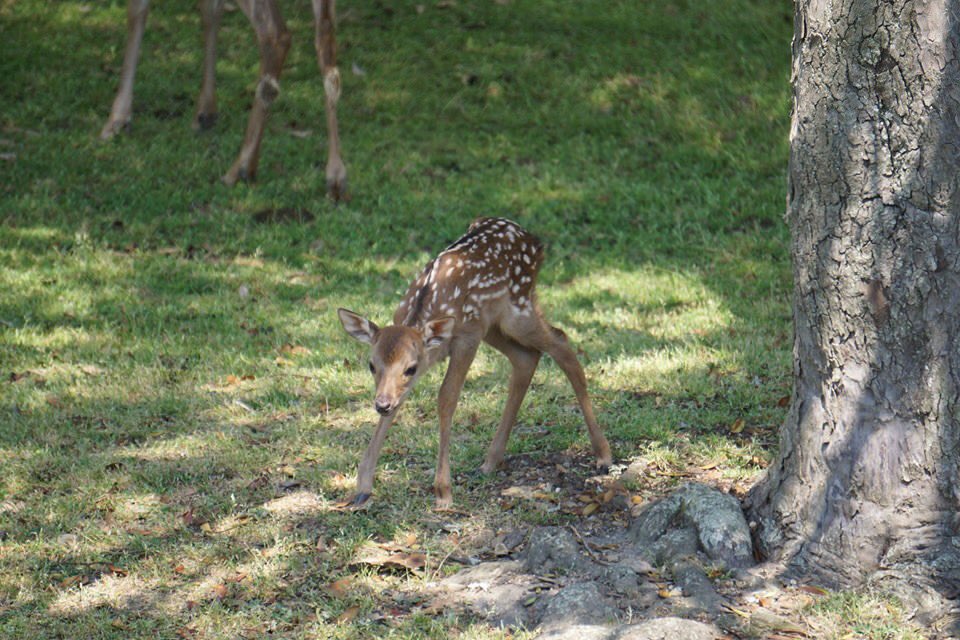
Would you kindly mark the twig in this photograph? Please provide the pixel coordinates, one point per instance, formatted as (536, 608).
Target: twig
(436, 572)
(586, 546)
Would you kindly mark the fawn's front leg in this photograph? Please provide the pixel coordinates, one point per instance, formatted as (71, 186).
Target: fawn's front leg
(368, 464)
(462, 352)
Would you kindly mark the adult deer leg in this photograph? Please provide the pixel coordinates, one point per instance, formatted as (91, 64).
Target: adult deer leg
(211, 11)
(524, 361)
(273, 40)
(325, 43)
(462, 352)
(122, 109)
(368, 464)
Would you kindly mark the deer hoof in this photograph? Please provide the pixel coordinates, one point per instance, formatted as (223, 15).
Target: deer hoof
(205, 121)
(236, 175)
(359, 500)
(113, 127)
(337, 190)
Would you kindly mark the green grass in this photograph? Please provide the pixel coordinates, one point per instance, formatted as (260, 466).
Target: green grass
(151, 401)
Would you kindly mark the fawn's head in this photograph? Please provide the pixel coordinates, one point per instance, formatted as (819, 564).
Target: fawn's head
(399, 355)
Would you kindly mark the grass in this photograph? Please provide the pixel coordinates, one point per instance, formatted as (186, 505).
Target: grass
(180, 408)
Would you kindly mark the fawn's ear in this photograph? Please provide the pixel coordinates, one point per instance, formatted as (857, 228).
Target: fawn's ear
(357, 326)
(438, 332)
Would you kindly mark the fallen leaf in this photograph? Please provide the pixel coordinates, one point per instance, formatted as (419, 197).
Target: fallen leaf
(179, 569)
(783, 402)
(340, 588)
(220, 591)
(349, 614)
(739, 612)
(73, 581)
(376, 556)
(809, 588)
(294, 350)
(737, 425)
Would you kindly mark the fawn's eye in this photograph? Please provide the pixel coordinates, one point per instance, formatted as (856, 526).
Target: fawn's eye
(372, 370)
(411, 371)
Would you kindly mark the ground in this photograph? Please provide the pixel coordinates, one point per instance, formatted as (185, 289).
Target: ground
(181, 413)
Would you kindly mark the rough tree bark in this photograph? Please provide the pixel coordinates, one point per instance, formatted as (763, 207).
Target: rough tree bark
(866, 483)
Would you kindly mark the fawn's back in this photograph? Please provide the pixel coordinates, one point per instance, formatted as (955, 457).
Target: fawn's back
(486, 276)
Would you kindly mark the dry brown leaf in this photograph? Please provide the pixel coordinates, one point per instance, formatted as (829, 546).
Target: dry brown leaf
(231, 380)
(340, 588)
(590, 508)
(294, 350)
(737, 425)
(220, 591)
(376, 556)
(809, 588)
(179, 569)
(348, 615)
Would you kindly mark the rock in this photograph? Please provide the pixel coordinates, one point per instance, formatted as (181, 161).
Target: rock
(491, 590)
(551, 548)
(579, 632)
(655, 629)
(621, 578)
(714, 518)
(695, 584)
(720, 524)
(578, 603)
(674, 544)
(668, 629)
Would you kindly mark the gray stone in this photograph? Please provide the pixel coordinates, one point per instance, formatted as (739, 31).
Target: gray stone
(579, 632)
(578, 603)
(655, 629)
(714, 518)
(668, 629)
(675, 543)
(621, 579)
(695, 584)
(552, 548)
(720, 524)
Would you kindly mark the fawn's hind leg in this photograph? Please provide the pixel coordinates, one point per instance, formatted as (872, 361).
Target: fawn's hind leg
(531, 330)
(524, 361)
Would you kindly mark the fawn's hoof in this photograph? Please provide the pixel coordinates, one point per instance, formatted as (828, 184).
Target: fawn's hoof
(237, 174)
(359, 500)
(205, 121)
(113, 127)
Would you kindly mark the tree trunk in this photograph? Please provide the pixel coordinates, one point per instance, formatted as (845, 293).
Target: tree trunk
(866, 480)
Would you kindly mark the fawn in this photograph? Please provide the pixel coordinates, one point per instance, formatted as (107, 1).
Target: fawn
(480, 288)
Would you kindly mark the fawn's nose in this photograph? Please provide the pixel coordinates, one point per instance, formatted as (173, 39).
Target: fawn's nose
(383, 406)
